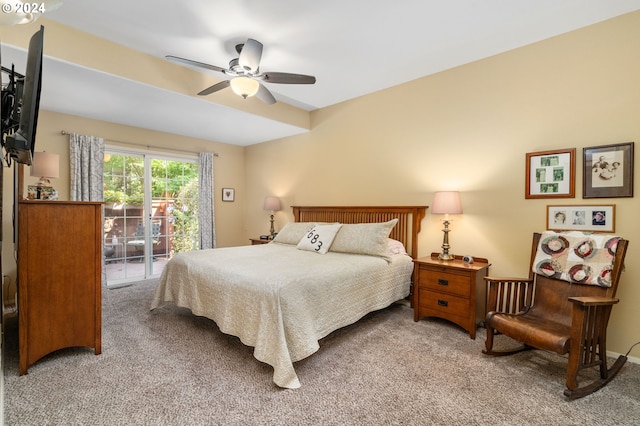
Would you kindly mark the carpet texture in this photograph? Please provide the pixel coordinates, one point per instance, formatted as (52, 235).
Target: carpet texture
(169, 367)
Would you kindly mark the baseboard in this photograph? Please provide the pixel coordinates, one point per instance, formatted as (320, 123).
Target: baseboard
(631, 359)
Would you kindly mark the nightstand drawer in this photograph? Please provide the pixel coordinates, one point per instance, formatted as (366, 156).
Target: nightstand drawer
(445, 281)
(442, 302)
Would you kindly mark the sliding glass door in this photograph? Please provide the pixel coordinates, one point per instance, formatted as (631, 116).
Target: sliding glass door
(150, 213)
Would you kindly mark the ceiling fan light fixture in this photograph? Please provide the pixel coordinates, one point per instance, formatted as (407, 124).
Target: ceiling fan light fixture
(244, 86)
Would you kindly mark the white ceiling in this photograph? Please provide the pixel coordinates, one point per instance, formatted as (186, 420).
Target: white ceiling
(353, 47)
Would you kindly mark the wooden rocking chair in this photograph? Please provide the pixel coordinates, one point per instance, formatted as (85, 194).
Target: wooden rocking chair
(559, 316)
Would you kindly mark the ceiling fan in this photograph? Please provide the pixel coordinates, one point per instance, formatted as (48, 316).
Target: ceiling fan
(245, 74)
(23, 12)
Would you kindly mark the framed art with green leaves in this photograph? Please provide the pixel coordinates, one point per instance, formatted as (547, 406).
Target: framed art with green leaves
(551, 174)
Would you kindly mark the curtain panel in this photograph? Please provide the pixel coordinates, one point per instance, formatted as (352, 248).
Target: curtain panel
(86, 163)
(206, 217)
(86, 166)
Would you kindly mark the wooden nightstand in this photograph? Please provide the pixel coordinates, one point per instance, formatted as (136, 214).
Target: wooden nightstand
(258, 241)
(452, 290)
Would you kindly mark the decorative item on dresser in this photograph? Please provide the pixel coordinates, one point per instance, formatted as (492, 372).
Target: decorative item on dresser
(453, 290)
(59, 277)
(45, 165)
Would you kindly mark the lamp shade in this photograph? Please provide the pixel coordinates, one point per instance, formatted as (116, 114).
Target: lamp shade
(446, 202)
(272, 203)
(244, 86)
(45, 165)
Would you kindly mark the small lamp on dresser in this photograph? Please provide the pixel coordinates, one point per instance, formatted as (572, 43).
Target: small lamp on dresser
(272, 204)
(45, 165)
(446, 202)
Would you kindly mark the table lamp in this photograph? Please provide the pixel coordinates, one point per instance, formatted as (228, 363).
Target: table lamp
(45, 165)
(272, 204)
(446, 202)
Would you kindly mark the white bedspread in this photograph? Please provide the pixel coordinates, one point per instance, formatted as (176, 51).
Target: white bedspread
(281, 300)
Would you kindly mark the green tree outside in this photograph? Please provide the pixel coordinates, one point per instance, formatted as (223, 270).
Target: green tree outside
(173, 183)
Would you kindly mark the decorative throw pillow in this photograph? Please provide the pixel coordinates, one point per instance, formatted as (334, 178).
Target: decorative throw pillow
(577, 257)
(395, 247)
(364, 238)
(319, 238)
(292, 232)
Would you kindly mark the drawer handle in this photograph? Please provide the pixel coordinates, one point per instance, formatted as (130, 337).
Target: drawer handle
(442, 281)
(443, 303)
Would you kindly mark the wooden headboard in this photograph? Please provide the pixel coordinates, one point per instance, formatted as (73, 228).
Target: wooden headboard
(406, 231)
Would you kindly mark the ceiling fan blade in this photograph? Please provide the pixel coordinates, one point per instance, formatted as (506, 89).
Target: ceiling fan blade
(250, 55)
(195, 63)
(265, 95)
(215, 88)
(286, 78)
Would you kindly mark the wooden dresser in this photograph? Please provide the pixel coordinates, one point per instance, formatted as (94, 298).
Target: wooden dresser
(452, 290)
(59, 277)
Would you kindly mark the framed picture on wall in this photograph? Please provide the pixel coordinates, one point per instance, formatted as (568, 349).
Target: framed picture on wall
(551, 174)
(594, 218)
(608, 171)
(228, 194)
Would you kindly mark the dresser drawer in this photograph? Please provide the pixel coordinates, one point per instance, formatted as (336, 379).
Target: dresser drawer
(446, 303)
(446, 281)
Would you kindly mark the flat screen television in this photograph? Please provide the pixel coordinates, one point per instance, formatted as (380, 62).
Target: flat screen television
(20, 144)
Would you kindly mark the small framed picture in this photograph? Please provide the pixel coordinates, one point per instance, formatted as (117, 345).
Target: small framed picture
(551, 174)
(593, 218)
(608, 171)
(228, 194)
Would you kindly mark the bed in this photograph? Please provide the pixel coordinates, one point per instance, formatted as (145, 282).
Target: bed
(281, 298)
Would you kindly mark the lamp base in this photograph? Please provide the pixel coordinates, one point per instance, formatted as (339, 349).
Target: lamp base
(445, 243)
(446, 256)
(272, 231)
(40, 192)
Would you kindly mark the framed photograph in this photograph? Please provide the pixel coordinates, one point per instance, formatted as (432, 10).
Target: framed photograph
(608, 171)
(593, 218)
(551, 174)
(228, 194)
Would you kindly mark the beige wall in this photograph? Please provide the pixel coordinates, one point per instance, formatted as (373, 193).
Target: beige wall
(469, 129)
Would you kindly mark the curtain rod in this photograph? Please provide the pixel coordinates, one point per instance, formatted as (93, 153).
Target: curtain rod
(215, 154)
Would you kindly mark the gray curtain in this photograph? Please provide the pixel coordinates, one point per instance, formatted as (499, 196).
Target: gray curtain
(206, 216)
(86, 162)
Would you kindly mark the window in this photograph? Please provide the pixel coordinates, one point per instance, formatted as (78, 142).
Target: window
(150, 213)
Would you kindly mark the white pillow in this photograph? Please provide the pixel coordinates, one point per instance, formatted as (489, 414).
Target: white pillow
(292, 232)
(364, 238)
(395, 247)
(319, 238)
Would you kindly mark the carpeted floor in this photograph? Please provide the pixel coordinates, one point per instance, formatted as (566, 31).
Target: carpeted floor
(169, 367)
